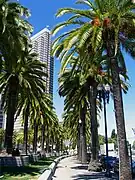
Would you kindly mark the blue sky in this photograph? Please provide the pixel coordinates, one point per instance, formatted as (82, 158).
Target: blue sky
(43, 14)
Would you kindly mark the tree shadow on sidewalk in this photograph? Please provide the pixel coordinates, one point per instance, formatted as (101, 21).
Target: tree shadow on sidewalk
(84, 167)
(57, 167)
(93, 176)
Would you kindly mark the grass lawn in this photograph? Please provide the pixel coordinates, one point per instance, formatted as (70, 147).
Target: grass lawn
(31, 172)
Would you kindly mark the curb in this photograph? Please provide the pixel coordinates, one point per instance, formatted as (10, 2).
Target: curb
(47, 175)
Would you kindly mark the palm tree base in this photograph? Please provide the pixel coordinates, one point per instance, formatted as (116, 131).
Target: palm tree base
(95, 166)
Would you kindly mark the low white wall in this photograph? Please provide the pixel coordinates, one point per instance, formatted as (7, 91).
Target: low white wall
(47, 175)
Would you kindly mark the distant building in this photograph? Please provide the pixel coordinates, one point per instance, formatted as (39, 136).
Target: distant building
(18, 124)
(41, 43)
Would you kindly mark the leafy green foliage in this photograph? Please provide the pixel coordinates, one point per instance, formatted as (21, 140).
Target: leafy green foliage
(113, 139)
(101, 140)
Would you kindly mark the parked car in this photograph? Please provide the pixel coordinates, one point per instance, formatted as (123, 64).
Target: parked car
(133, 166)
(111, 162)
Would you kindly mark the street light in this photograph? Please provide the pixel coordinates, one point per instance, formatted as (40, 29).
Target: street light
(80, 121)
(80, 140)
(103, 94)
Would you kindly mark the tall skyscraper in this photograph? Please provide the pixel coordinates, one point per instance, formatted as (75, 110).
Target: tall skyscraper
(42, 45)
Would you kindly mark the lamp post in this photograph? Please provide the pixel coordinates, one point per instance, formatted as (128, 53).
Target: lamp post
(80, 143)
(103, 94)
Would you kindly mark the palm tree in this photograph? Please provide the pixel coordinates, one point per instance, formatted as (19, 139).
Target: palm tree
(43, 119)
(32, 92)
(104, 26)
(90, 82)
(72, 129)
(26, 75)
(55, 136)
(75, 98)
(14, 31)
(13, 41)
(94, 76)
(19, 138)
(50, 119)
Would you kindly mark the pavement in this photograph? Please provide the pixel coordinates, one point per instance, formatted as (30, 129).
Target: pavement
(70, 169)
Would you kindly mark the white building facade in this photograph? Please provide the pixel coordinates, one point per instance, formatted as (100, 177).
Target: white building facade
(41, 43)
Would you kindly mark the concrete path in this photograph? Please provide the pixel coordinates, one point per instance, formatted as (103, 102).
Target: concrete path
(71, 169)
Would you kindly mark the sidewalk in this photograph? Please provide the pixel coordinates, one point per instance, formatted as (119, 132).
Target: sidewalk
(71, 169)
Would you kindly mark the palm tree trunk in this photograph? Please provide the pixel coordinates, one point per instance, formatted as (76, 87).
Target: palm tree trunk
(61, 145)
(11, 109)
(124, 165)
(83, 135)
(94, 124)
(47, 145)
(43, 137)
(25, 140)
(58, 146)
(92, 95)
(29, 140)
(47, 139)
(35, 136)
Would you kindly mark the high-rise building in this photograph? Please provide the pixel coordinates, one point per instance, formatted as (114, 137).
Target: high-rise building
(18, 125)
(42, 45)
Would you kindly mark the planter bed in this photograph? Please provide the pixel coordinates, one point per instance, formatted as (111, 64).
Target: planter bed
(29, 172)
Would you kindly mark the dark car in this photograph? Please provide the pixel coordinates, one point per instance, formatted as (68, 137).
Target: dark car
(111, 162)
